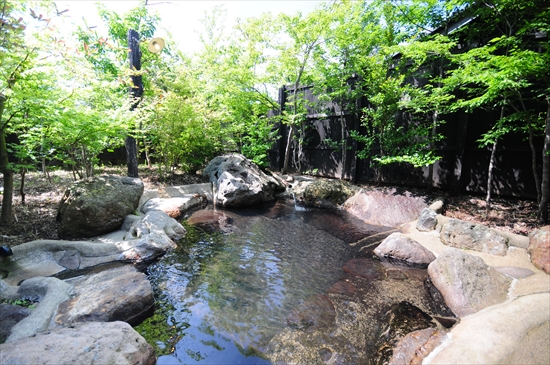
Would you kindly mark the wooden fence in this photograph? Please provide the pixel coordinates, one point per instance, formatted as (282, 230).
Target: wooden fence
(462, 168)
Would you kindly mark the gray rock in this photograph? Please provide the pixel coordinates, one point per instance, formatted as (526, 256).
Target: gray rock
(466, 282)
(427, 220)
(404, 250)
(98, 205)
(389, 209)
(119, 294)
(49, 292)
(49, 257)
(85, 343)
(461, 234)
(9, 316)
(174, 207)
(204, 189)
(147, 248)
(514, 271)
(238, 181)
(156, 222)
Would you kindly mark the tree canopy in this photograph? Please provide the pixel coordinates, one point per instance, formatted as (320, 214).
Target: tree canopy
(64, 95)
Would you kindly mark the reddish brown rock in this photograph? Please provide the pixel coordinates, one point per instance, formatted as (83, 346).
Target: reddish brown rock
(211, 221)
(390, 209)
(317, 311)
(343, 288)
(365, 268)
(415, 346)
(398, 248)
(539, 248)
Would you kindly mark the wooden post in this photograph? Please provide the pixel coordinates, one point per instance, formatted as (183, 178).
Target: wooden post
(136, 91)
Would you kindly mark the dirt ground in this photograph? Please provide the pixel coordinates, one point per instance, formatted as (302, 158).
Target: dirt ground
(36, 218)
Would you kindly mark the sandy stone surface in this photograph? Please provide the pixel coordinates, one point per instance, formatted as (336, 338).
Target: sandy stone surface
(514, 332)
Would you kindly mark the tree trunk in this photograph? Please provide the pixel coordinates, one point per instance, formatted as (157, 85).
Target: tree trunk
(287, 149)
(7, 196)
(545, 183)
(534, 163)
(490, 179)
(136, 91)
(430, 184)
(23, 172)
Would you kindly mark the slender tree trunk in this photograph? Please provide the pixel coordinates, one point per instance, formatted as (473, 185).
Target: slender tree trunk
(136, 91)
(534, 163)
(7, 197)
(287, 148)
(429, 187)
(490, 179)
(545, 183)
(23, 172)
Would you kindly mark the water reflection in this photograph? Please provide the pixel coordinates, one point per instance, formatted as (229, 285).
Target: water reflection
(226, 296)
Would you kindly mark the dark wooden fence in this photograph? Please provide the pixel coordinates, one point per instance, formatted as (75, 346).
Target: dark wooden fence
(462, 168)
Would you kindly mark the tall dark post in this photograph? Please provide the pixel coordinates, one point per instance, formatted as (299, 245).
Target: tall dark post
(136, 91)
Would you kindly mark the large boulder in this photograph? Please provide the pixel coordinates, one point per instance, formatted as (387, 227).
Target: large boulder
(539, 248)
(401, 249)
(461, 234)
(97, 205)
(119, 294)
(466, 282)
(83, 343)
(385, 208)
(238, 181)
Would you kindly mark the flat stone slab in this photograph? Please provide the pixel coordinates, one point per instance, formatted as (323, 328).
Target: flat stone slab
(84, 343)
(516, 332)
(174, 207)
(119, 294)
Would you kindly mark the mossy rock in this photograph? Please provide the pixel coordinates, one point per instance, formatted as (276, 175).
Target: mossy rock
(326, 193)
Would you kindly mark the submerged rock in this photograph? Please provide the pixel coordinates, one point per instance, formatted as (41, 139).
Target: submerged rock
(317, 311)
(400, 320)
(466, 282)
(211, 221)
(415, 346)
